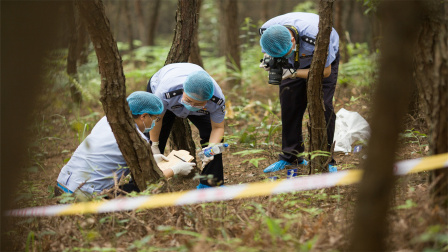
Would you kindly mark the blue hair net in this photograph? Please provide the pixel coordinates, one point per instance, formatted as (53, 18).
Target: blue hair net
(199, 86)
(276, 41)
(141, 102)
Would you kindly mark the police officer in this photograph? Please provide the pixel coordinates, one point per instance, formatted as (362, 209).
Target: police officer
(92, 167)
(286, 36)
(187, 91)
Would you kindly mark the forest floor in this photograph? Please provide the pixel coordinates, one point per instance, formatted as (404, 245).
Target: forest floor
(317, 220)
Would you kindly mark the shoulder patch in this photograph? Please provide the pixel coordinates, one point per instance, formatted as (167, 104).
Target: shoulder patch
(217, 100)
(174, 93)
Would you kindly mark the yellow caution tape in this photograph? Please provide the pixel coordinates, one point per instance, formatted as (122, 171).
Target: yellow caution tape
(229, 192)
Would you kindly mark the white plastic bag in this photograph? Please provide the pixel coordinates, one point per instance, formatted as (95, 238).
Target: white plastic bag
(350, 127)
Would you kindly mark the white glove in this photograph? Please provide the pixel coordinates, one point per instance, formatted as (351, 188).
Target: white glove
(263, 64)
(160, 157)
(206, 159)
(288, 74)
(182, 168)
(155, 148)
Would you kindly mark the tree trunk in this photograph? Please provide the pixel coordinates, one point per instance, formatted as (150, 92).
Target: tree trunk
(231, 42)
(399, 19)
(25, 45)
(83, 41)
(186, 22)
(135, 150)
(431, 74)
(264, 15)
(130, 33)
(339, 26)
(222, 29)
(195, 52)
(154, 16)
(72, 58)
(140, 19)
(117, 22)
(316, 108)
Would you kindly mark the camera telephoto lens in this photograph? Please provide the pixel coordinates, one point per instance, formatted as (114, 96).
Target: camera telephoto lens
(275, 76)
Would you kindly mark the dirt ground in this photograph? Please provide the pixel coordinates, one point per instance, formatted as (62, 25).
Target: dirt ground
(320, 219)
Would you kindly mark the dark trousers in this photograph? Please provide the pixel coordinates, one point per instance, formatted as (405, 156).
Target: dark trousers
(293, 102)
(204, 125)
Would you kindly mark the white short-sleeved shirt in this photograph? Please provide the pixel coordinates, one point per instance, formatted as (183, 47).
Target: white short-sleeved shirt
(308, 25)
(95, 161)
(171, 78)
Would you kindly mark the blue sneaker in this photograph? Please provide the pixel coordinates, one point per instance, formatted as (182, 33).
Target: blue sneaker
(277, 166)
(332, 168)
(202, 186)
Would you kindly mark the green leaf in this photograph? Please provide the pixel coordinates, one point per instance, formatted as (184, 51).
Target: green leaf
(274, 227)
(409, 204)
(120, 233)
(248, 152)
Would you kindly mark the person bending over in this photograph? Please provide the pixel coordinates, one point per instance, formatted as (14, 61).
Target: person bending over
(292, 36)
(187, 91)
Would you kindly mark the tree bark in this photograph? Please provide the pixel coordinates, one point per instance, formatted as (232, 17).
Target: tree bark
(222, 29)
(264, 14)
(186, 19)
(339, 26)
(231, 42)
(24, 45)
(154, 16)
(316, 108)
(431, 74)
(140, 19)
(83, 41)
(195, 52)
(130, 32)
(72, 58)
(391, 98)
(135, 150)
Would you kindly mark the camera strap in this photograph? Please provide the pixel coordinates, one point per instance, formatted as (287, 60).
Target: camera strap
(295, 32)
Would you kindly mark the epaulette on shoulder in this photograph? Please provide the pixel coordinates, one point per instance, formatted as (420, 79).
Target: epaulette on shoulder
(217, 100)
(174, 93)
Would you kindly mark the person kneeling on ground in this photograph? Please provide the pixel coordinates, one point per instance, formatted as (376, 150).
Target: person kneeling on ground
(91, 168)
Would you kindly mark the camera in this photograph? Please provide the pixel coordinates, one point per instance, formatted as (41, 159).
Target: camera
(275, 68)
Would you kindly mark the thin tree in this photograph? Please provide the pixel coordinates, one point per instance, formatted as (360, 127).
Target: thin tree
(186, 23)
(72, 58)
(431, 74)
(130, 33)
(195, 52)
(136, 151)
(83, 41)
(153, 19)
(229, 10)
(391, 99)
(317, 126)
(140, 19)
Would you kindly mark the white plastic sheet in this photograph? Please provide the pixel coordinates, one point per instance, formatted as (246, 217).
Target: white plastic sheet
(350, 127)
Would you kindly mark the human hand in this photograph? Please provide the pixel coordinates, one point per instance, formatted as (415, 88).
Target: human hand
(155, 148)
(160, 157)
(182, 168)
(263, 64)
(288, 74)
(207, 160)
